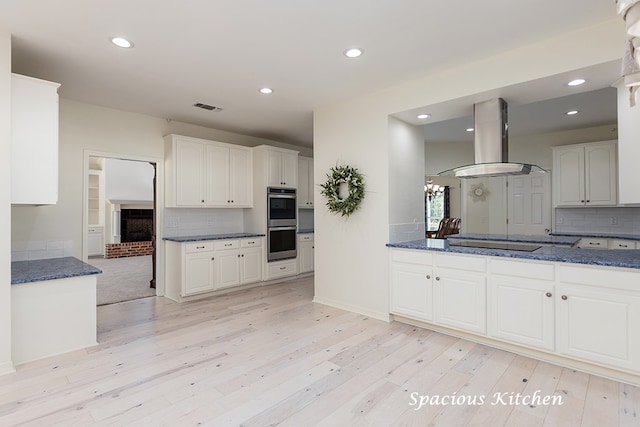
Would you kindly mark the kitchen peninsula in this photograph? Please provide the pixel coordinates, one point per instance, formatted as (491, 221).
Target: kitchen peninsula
(54, 307)
(576, 307)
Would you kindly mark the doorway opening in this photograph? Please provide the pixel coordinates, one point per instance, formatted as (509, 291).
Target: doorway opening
(121, 227)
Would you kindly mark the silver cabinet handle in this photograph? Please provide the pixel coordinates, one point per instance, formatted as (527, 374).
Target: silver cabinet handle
(564, 297)
(549, 295)
(428, 276)
(437, 278)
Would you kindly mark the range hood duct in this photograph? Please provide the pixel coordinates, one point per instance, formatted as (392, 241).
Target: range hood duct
(491, 145)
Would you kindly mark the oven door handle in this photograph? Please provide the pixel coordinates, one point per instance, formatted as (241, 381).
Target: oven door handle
(281, 228)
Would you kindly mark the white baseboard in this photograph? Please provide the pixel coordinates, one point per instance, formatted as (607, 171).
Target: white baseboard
(6, 368)
(353, 308)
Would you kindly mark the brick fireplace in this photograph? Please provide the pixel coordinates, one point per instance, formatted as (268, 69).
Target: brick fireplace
(136, 230)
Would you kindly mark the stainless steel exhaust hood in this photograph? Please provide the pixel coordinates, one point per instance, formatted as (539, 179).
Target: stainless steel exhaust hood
(491, 145)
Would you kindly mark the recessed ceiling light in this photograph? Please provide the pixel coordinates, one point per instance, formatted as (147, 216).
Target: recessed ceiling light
(470, 129)
(576, 82)
(423, 116)
(121, 42)
(572, 112)
(353, 52)
(266, 90)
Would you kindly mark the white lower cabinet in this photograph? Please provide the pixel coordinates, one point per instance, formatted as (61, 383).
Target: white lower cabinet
(95, 240)
(521, 309)
(305, 253)
(199, 268)
(460, 299)
(574, 313)
(279, 269)
(412, 290)
(598, 316)
(239, 262)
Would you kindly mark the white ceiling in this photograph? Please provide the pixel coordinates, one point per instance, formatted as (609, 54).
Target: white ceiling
(220, 52)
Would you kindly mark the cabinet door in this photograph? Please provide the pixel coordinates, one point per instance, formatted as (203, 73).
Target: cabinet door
(601, 174)
(600, 325)
(289, 170)
(303, 182)
(412, 290)
(568, 176)
(228, 268)
(95, 245)
(274, 169)
(34, 141)
(305, 253)
(251, 260)
(190, 173)
(522, 310)
(217, 176)
(199, 268)
(241, 178)
(460, 300)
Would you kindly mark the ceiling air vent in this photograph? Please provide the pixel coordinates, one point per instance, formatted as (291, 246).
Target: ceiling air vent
(207, 107)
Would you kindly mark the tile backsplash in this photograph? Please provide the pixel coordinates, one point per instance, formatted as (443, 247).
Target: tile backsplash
(614, 220)
(305, 219)
(28, 251)
(189, 222)
(406, 232)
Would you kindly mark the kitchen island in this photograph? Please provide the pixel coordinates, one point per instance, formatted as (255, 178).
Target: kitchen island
(575, 307)
(53, 305)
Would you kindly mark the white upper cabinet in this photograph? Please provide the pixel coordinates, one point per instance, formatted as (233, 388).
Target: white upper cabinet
(202, 173)
(628, 147)
(34, 141)
(305, 182)
(282, 168)
(585, 174)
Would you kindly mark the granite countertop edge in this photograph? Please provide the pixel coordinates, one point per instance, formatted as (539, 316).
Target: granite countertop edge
(544, 239)
(41, 270)
(203, 237)
(599, 235)
(601, 257)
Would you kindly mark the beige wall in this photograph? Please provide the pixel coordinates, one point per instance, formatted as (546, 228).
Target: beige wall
(351, 257)
(5, 204)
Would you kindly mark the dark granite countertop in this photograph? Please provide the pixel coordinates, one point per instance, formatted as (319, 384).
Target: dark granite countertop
(601, 235)
(49, 269)
(610, 258)
(305, 231)
(183, 239)
(543, 239)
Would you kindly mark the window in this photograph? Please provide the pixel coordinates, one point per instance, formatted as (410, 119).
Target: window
(436, 208)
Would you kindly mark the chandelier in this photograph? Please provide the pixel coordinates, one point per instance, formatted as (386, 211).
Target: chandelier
(433, 190)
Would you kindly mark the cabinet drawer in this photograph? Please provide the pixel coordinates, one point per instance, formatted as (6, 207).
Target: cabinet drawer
(196, 247)
(537, 270)
(251, 243)
(226, 244)
(591, 243)
(282, 269)
(95, 230)
(412, 256)
(622, 244)
(305, 237)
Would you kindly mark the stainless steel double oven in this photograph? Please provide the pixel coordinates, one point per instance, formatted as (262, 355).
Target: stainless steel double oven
(281, 223)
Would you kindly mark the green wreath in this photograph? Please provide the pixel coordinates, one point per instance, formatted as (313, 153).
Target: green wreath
(331, 190)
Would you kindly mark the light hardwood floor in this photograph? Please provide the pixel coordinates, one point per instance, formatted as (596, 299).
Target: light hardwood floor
(269, 356)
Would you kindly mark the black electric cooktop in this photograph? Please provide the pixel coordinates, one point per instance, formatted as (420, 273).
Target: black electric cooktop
(497, 245)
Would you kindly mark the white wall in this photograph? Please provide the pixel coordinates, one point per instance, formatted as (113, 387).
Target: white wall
(128, 180)
(406, 188)
(351, 257)
(5, 204)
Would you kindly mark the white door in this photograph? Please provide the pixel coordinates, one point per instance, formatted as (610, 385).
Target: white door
(290, 170)
(600, 174)
(228, 268)
(522, 310)
(529, 204)
(190, 167)
(241, 177)
(305, 253)
(568, 168)
(199, 273)
(599, 324)
(412, 291)
(217, 176)
(303, 182)
(460, 300)
(251, 265)
(274, 169)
